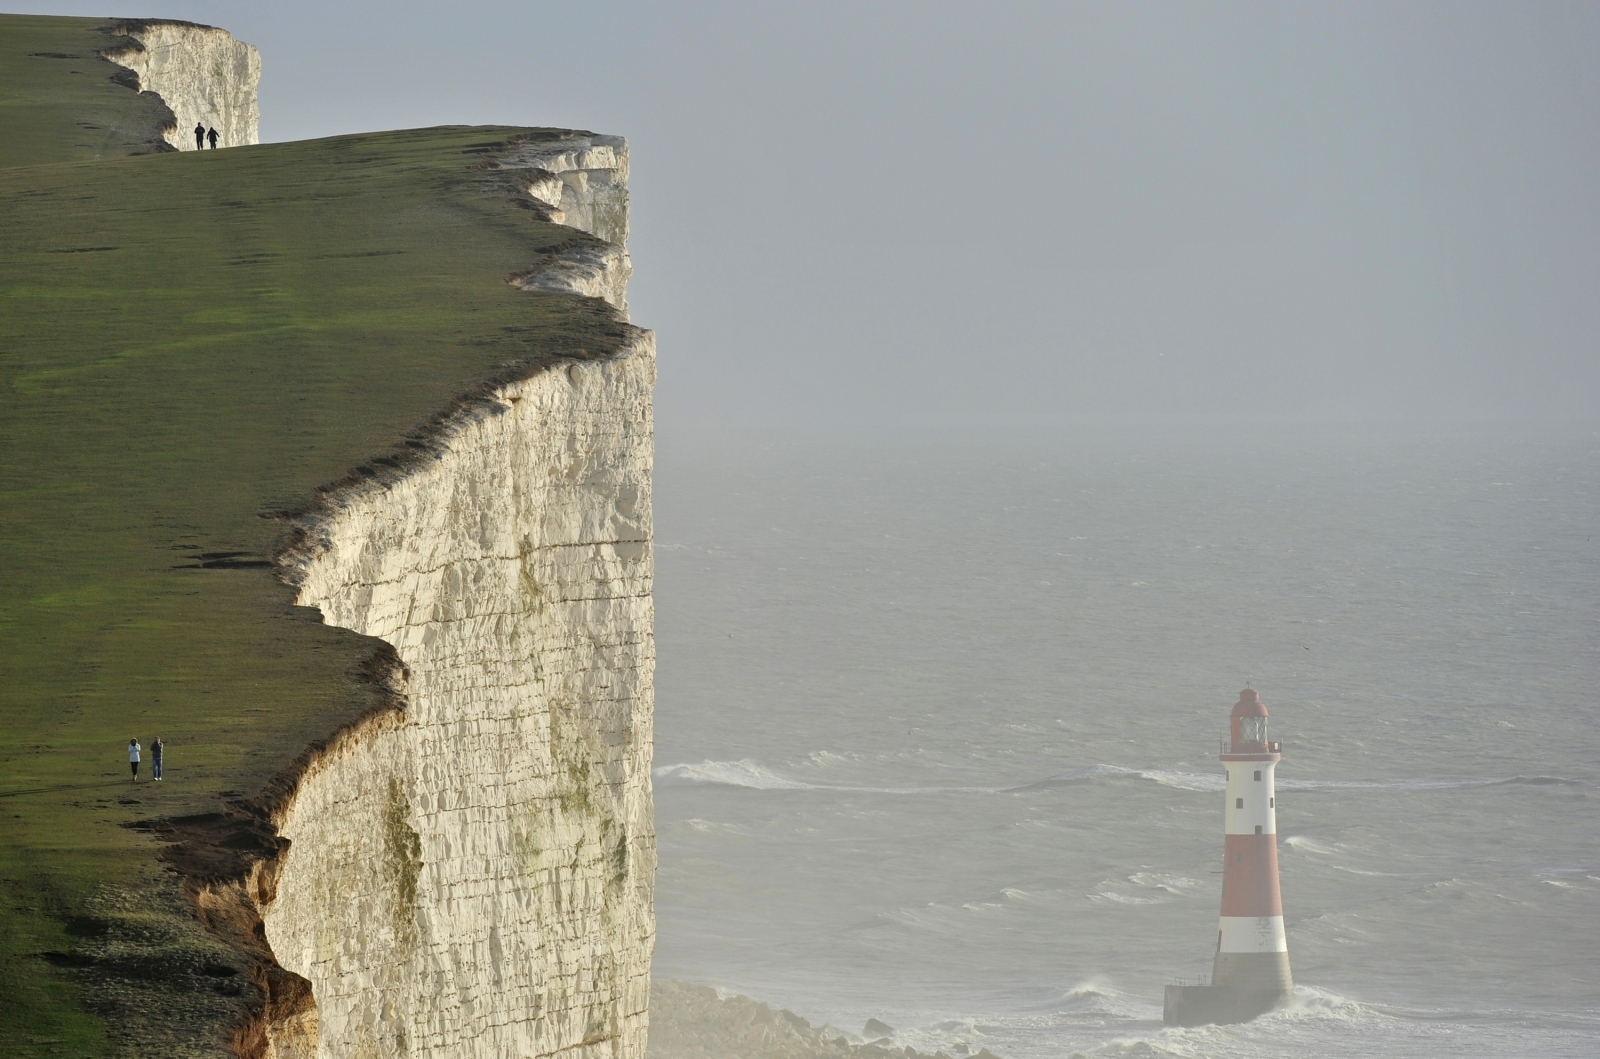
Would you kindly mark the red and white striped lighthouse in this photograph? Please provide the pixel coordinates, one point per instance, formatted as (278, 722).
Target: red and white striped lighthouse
(1251, 972)
(1252, 950)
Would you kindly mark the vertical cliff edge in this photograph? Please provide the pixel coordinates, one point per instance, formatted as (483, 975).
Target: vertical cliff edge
(468, 871)
(201, 73)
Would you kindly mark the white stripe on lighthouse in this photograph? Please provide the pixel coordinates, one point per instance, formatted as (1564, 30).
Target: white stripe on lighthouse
(1252, 934)
(1259, 808)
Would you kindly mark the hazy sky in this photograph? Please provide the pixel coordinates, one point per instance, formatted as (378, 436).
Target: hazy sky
(962, 216)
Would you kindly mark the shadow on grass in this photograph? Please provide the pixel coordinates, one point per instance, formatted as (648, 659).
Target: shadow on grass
(66, 787)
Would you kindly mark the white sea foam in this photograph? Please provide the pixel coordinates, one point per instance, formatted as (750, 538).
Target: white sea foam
(1312, 1002)
(755, 776)
(1189, 781)
(697, 826)
(1173, 884)
(1156, 888)
(829, 758)
(1098, 996)
(1422, 784)
(744, 773)
(1125, 899)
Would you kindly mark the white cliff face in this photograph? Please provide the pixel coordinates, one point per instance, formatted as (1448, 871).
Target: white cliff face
(201, 73)
(592, 271)
(583, 178)
(476, 881)
(473, 879)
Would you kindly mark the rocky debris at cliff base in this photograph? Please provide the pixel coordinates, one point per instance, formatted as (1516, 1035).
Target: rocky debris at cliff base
(698, 1022)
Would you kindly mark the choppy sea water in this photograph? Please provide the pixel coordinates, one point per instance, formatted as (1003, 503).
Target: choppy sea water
(936, 736)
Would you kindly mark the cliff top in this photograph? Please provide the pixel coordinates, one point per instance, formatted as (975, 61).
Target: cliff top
(188, 343)
(60, 101)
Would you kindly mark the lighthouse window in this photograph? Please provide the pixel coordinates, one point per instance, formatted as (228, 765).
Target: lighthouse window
(1252, 729)
(1270, 801)
(1258, 775)
(1258, 829)
(1238, 803)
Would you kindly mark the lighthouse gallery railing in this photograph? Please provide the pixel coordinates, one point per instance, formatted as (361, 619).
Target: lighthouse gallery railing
(1251, 748)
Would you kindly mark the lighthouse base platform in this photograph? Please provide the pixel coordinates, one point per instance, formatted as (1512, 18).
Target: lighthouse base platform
(1201, 1005)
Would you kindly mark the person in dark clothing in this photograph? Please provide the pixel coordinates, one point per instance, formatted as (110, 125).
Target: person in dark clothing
(155, 758)
(199, 137)
(133, 758)
(212, 136)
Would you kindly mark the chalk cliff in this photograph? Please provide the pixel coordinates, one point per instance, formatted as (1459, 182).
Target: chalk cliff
(471, 874)
(201, 73)
(467, 872)
(584, 183)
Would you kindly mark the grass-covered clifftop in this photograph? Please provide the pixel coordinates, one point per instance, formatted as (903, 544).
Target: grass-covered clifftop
(188, 343)
(61, 102)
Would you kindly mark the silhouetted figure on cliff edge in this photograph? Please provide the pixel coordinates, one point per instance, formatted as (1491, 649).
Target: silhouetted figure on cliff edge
(212, 136)
(199, 137)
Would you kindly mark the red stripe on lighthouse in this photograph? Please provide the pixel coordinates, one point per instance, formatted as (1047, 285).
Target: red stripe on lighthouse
(1250, 876)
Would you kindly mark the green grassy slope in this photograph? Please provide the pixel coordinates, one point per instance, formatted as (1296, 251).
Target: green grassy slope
(188, 341)
(58, 102)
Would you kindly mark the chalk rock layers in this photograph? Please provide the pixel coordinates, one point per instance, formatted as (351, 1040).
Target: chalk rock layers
(203, 75)
(583, 180)
(592, 271)
(582, 177)
(474, 878)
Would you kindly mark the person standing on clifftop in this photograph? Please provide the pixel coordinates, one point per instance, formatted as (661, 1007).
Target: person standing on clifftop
(133, 758)
(212, 136)
(155, 758)
(199, 137)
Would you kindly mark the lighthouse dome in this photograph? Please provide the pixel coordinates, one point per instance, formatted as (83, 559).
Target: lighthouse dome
(1249, 720)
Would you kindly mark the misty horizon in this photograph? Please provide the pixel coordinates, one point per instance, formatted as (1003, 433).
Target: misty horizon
(937, 218)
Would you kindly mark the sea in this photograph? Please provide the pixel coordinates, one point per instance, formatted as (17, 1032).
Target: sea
(937, 730)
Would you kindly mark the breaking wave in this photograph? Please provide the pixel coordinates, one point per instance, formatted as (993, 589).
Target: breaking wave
(1315, 786)
(752, 775)
(1186, 781)
(1311, 1002)
(1098, 998)
(728, 774)
(755, 776)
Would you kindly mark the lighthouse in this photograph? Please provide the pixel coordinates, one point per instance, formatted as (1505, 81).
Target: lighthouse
(1250, 974)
